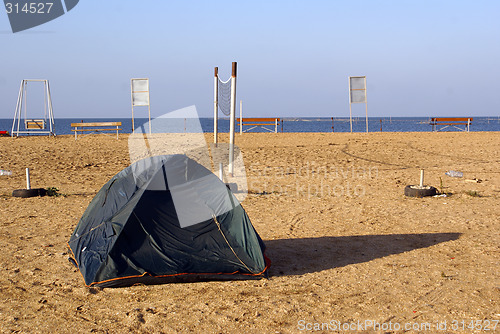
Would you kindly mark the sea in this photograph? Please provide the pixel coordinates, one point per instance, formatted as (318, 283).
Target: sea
(62, 126)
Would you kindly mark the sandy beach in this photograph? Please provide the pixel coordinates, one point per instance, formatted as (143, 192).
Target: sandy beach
(346, 245)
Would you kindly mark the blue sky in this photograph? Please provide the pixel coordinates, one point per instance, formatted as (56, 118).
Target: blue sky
(421, 58)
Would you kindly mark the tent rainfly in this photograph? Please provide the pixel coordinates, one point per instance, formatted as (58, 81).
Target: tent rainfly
(165, 219)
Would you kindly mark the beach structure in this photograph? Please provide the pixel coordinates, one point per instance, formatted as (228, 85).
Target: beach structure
(30, 126)
(446, 122)
(261, 123)
(165, 219)
(139, 88)
(255, 123)
(357, 94)
(96, 127)
(420, 190)
(29, 192)
(225, 101)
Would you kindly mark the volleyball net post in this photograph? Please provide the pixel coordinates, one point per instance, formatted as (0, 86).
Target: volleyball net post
(232, 119)
(225, 101)
(216, 103)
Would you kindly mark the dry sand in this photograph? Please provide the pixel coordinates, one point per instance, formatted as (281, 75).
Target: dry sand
(345, 243)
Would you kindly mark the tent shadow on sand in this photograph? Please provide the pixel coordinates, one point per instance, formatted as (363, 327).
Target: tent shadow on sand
(309, 255)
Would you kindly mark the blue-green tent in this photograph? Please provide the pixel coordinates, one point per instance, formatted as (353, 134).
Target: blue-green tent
(165, 219)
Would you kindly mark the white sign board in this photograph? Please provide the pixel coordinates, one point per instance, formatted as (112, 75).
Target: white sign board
(357, 94)
(357, 89)
(140, 92)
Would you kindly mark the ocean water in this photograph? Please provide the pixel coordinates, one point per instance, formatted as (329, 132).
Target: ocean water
(62, 126)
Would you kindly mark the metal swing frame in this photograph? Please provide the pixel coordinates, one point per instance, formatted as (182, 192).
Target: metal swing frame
(33, 126)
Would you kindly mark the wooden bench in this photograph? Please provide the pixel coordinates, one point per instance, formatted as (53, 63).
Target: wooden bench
(451, 121)
(258, 122)
(34, 124)
(96, 127)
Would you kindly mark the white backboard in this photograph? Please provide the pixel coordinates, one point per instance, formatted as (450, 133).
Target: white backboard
(357, 89)
(140, 92)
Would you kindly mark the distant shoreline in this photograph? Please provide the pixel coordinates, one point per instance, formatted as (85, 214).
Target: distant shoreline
(62, 126)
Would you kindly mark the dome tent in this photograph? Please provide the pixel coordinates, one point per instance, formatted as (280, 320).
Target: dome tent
(165, 219)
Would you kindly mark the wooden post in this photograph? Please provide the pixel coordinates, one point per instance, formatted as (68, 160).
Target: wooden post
(131, 102)
(232, 119)
(332, 126)
(421, 178)
(350, 98)
(216, 102)
(366, 108)
(350, 110)
(381, 125)
(282, 125)
(275, 125)
(149, 110)
(241, 117)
